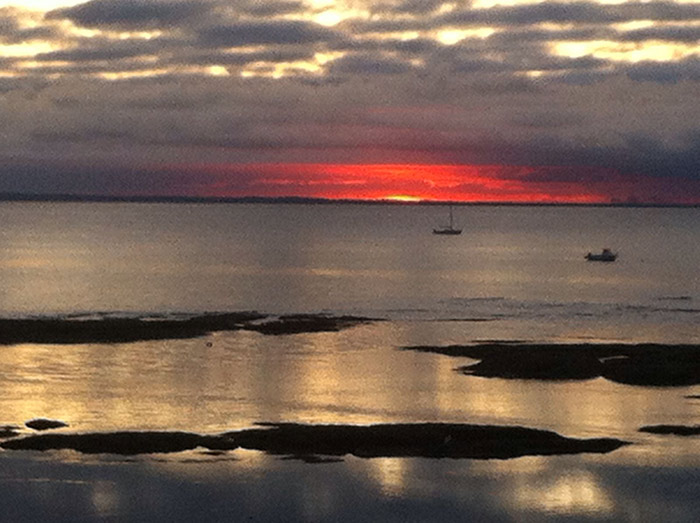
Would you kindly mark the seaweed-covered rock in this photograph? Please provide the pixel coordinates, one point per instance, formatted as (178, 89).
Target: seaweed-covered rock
(643, 364)
(303, 323)
(45, 424)
(127, 443)
(429, 440)
(537, 364)
(118, 329)
(8, 431)
(656, 369)
(676, 430)
(124, 330)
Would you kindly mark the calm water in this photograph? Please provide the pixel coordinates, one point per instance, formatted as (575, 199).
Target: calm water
(521, 269)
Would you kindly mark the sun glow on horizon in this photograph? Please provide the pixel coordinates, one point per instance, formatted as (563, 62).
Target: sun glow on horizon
(404, 198)
(413, 183)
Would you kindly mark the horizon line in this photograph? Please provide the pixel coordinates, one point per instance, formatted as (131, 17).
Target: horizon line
(100, 198)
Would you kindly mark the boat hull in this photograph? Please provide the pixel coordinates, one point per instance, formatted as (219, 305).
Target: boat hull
(601, 257)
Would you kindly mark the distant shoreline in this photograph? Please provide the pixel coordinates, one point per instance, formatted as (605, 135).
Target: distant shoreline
(76, 198)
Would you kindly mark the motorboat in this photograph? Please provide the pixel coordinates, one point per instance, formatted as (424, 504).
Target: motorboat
(605, 256)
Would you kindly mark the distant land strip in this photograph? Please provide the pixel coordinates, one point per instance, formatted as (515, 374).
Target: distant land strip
(96, 198)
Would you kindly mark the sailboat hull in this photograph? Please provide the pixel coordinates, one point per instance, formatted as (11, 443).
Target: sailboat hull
(448, 229)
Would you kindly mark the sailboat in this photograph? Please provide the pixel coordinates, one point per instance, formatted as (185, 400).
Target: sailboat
(448, 229)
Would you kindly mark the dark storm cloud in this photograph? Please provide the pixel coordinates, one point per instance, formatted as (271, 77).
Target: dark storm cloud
(275, 55)
(86, 135)
(504, 86)
(28, 86)
(12, 32)
(635, 155)
(360, 93)
(548, 119)
(521, 36)
(586, 13)
(665, 72)
(99, 49)
(688, 34)
(271, 32)
(581, 77)
(684, 34)
(532, 59)
(574, 12)
(19, 36)
(92, 67)
(267, 9)
(368, 65)
(417, 6)
(133, 14)
(115, 179)
(414, 46)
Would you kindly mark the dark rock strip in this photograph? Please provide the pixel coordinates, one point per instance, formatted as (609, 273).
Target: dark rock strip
(312, 459)
(316, 443)
(428, 440)
(45, 424)
(127, 443)
(676, 430)
(125, 330)
(634, 364)
(117, 330)
(301, 323)
(8, 431)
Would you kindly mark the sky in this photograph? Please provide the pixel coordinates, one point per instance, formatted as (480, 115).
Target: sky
(482, 100)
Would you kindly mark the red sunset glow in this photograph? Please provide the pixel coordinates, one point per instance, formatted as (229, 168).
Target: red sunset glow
(418, 182)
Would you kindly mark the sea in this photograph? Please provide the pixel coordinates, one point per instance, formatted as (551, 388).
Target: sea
(515, 274)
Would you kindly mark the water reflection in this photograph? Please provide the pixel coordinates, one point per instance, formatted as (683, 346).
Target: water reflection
(356, 376)
(390, 474)
(105, 498)
(575, 493)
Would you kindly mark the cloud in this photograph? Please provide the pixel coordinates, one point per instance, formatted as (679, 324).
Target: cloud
(15, 27)
(272, 8)
(98, 49)
(271, 32)
(688, 34)
(661, 72)
(132, 14)
(585, 13)
(556, 84)
(368, 65)
(274, 55)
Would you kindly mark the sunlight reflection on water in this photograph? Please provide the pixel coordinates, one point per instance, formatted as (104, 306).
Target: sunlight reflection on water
(519, 275)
